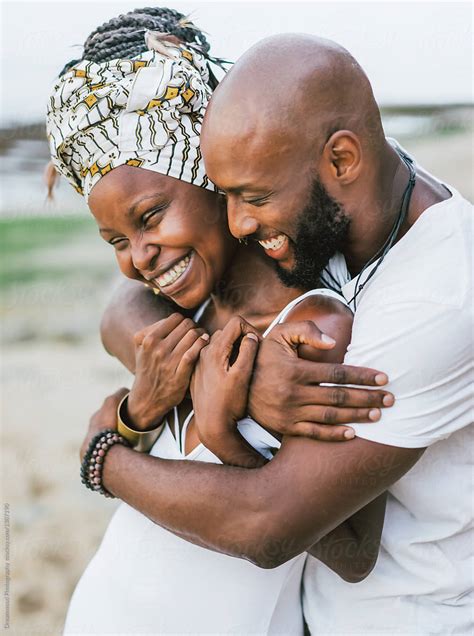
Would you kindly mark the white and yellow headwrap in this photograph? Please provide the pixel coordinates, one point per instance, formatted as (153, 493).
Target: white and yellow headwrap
(144, 112)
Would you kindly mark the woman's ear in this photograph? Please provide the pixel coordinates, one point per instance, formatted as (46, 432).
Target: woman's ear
(342, 156)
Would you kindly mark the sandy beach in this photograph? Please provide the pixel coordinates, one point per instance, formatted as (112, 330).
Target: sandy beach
(54, 376)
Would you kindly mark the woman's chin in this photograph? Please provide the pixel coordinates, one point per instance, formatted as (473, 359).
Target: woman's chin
(188, 299)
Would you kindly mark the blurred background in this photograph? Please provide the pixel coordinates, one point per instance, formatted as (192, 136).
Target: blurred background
(56, 274)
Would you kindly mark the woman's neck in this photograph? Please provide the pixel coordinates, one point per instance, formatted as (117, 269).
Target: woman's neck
(251, 288)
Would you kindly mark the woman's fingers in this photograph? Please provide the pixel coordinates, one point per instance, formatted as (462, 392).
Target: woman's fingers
(191, 355)
(158, 330)
(236, 327)
(234, 450)
(172, 340)
(187, 342)
(246, 356)
(223, 342)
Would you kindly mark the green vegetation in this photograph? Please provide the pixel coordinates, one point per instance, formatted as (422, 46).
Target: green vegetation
(38, 249)
(21, 235)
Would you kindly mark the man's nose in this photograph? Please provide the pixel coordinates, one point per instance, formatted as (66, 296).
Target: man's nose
(144, 255)
(241, 223)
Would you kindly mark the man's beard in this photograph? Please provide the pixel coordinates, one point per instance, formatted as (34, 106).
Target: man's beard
(322, 229)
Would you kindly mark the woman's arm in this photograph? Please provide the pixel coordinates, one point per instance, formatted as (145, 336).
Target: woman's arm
(351, 549)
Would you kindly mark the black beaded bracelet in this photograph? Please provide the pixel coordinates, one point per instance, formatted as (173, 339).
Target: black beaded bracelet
(93, 462)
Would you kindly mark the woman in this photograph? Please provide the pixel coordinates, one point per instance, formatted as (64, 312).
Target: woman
(125, 132)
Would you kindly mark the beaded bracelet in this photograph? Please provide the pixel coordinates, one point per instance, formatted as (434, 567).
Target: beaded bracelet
(93, 463)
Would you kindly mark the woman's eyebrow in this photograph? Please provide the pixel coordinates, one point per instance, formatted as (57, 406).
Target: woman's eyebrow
(132, 210)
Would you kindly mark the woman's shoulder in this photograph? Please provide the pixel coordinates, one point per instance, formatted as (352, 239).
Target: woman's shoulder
(322, 305)
(331, 314)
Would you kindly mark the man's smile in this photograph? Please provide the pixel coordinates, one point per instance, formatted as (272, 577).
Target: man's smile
(277, 247)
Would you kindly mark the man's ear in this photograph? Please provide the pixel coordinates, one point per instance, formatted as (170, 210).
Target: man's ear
(342, 157)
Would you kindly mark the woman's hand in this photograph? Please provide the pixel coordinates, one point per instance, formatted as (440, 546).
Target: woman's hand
(105, 417)
(219, 390)
(166, 353)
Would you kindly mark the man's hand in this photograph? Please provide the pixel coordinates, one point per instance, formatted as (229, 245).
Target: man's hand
(286, 395)
(166, 353)
(105, 417)
(219, 390)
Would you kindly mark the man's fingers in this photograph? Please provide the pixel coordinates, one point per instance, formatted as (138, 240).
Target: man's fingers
(304, 333)
(108, 411)
(343, 397)
(334, 415)
(114, 399)
(323, 432)
(316, 373)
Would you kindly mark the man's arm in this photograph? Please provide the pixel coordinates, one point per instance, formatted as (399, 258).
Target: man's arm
(131, 308)
(267, 515)
(281, 396)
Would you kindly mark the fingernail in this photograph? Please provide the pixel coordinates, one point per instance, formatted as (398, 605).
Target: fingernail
(381, 378)
(252, 336)
(205, 336)
(388, 400)
(374, 414)
(327, 339)
(349, 434)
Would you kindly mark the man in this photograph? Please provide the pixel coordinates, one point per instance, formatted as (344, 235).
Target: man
(293, 137)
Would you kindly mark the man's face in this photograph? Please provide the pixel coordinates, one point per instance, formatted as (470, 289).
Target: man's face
(321, 231)
(274, 197)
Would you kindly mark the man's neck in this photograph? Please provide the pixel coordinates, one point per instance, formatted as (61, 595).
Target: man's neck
(378, 207)
(376, 210)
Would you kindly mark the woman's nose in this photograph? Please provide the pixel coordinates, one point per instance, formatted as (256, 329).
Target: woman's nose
(144, 255)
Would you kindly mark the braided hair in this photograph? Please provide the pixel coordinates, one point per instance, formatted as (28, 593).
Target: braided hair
(123, 36)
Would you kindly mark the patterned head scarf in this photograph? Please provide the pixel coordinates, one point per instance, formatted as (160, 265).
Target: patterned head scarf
(144, 112)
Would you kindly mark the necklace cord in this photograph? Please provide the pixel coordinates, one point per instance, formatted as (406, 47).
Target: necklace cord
(388, 244)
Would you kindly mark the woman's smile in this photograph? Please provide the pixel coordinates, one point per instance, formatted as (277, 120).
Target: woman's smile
(173, 278)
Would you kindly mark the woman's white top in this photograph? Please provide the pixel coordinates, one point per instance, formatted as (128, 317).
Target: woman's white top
(145, 580)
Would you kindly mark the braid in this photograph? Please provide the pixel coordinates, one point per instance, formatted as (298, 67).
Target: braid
(123, 36)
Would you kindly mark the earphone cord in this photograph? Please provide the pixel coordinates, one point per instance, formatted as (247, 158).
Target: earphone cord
(383, 251)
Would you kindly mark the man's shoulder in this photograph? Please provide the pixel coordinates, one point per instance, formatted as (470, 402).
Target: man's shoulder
(432, 263)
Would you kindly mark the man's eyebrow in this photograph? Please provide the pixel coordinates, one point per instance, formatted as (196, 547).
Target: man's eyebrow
(246, 187)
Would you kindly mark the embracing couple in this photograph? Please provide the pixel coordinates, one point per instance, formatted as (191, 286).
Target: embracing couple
(282, 250)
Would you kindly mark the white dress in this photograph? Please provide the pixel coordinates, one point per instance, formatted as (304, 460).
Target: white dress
(145, 580)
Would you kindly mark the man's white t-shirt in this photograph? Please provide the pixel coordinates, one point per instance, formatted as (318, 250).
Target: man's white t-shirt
(414, 321)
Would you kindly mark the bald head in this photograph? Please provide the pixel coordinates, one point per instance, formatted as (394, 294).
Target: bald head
(298, 85)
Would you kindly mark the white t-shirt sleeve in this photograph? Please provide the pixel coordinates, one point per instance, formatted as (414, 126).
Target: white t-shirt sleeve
(426, 350)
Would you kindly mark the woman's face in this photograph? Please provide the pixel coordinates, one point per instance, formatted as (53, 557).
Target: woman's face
(165, 232)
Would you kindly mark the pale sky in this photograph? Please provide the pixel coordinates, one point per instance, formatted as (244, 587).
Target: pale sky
(413, 52)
